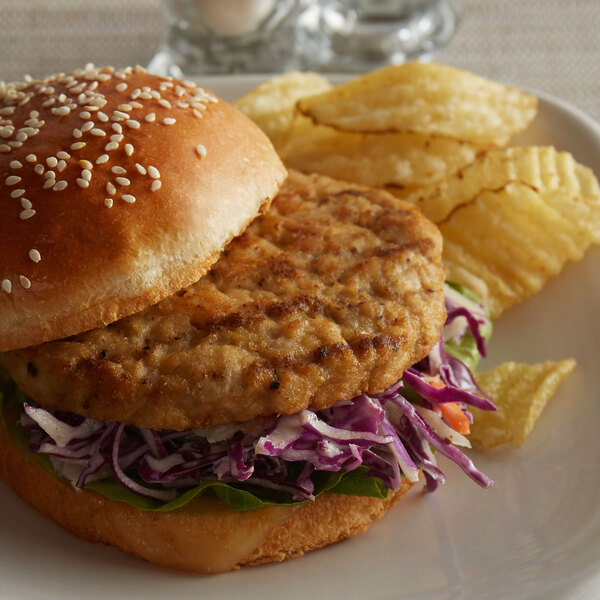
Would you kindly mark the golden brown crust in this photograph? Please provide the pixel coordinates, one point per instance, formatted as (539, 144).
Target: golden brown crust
(335, 291)
(204, 537)
(76, 263)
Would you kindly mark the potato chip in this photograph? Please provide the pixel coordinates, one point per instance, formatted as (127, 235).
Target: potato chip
(271, 105)
(404, 161)
(424, 98)
(543, 168)
(520, 391)
(512, 220)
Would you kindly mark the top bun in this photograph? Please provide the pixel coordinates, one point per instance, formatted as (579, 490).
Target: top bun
(117, 188)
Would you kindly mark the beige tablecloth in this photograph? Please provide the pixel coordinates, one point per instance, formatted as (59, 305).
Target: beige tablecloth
(551, 45)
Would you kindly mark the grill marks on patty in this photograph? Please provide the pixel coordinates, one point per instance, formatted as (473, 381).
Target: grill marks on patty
(333, 291)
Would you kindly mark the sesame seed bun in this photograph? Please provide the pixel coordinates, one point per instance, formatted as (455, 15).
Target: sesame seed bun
(118, 188)
(205, 536)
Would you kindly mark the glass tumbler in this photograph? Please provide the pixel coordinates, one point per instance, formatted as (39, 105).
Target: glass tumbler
(361, 35)
(230, 36)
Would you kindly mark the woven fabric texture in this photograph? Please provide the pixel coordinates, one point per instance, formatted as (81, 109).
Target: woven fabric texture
(551, 45)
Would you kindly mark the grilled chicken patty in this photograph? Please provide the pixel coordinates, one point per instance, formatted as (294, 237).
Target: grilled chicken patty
(335, 290)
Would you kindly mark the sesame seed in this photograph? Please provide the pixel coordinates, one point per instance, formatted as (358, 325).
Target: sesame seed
(16, 144)
(26, 214)
(125, 107)
(150, 117)
(17, 193)
(7, 110)
(164, 103)
(145, 96)
(121, 87)
(7, 286)
(48, 102)
(140, 169)
(123, 181)
(77, 145)
(135, 93)
(98, 132)
(201, 150)
(62, 165)
(153, 172)
(156, 184)
(51, 161)
(132, 123)
(60, 186)
(86, 174)
(21, 136)
(136, 104)
(117, 127)
(34, 255)
(84, 114)
(24, 282)
(102, 159)
(108, 202)
(29, 131)
(128, 198)
(102, 116)
(12, 180)
(82, 183)
(117, 137)
(63, 154)
(128, 149)
(96, 103)
(86, 164)
(111, 146)
(49, 183)
(110, 188)
(39, 169)
(4, 148)
(87, 126)
(15, 164)
(119, 116)
(77, 133)
(169, 121)
(26, 203)
(119, 170)
(61, 111)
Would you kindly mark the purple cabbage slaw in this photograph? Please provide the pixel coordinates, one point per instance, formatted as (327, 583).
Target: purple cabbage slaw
(386, 433)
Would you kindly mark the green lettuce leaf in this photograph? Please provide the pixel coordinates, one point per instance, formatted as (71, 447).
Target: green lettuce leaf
(238, 496)
(466, 350)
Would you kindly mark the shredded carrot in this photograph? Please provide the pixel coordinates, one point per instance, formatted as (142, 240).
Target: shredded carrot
(435, 382)
(455, 417)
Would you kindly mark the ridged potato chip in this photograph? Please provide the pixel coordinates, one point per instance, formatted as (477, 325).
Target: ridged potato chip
(426, 98)
(520, 392)
(540, 167)
(271, 105)
(404, 161)
(512, 220)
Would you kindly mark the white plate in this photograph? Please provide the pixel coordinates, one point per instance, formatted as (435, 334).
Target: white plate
(534, 535)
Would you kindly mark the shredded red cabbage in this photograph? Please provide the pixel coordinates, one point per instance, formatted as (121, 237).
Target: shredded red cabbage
(384, 432)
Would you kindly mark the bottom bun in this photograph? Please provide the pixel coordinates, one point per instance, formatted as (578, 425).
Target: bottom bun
(205, 536)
